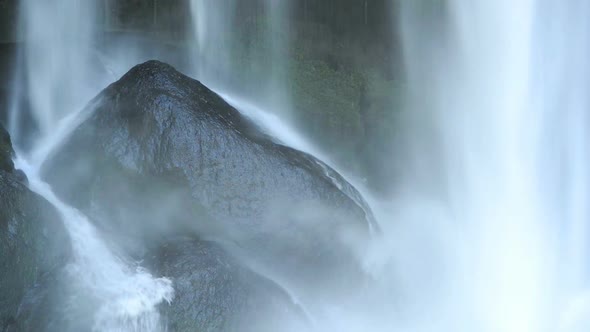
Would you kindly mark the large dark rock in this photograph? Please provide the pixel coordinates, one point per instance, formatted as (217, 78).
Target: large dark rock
(214, 292)
(33, 242)
(161, 154)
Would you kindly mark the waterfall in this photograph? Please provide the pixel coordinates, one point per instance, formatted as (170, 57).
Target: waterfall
(226, 58)
(57, 51)
(215, 39)
(278, 38)
(498, 120)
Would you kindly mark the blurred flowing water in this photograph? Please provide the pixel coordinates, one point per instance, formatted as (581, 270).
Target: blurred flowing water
(125, 295)
(55, 57)
(499, 129)
(220, 48)
(215, 39)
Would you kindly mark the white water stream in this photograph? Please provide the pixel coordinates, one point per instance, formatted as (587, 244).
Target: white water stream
(127, 295)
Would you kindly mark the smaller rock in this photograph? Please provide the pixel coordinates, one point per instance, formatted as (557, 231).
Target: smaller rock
(214, 292)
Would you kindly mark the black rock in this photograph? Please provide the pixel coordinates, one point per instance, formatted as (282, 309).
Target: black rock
(214, 292)
(161, 154)
(53, 305)
(33, 243)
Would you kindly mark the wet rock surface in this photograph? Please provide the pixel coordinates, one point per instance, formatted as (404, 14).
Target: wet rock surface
(214, 292)
(159, 155)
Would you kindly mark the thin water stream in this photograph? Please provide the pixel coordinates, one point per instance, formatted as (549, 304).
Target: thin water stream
(126, 295)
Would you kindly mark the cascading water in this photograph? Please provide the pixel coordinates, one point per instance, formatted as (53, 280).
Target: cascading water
(215, 41)
(57, 57)
(278, 37)
(219, 49)
(126, 296)
(507, 117)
